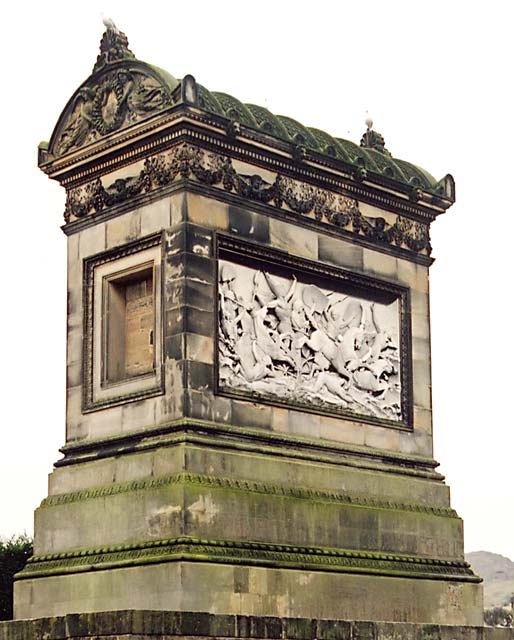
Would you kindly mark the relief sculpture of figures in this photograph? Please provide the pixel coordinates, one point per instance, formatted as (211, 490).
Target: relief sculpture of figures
(293, 341)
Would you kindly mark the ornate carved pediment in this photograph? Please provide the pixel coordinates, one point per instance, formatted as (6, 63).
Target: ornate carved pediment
(121, 92)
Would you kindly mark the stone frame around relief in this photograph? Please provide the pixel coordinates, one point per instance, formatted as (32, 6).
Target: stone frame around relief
(134, 257)
(334, 282)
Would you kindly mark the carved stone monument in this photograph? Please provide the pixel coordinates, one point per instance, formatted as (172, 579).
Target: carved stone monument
(249, 426)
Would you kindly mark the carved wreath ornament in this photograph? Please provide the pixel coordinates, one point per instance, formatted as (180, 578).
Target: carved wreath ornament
(187, 161)
(120, 99)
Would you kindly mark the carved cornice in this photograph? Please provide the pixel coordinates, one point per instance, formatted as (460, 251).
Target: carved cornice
(190, 162)
(199, 129)
(246, 486)
(259, 441)
(248, 553)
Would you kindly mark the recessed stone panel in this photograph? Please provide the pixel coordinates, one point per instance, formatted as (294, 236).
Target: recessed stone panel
(326, 341)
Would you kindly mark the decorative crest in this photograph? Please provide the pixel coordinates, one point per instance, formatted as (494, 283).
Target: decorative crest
(372, 139)
(120, 92)
(113, 46)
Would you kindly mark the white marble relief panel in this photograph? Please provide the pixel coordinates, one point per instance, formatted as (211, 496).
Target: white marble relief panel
(293, 341)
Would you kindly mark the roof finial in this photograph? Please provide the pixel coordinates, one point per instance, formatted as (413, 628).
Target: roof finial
(113, 46)
(372, 139)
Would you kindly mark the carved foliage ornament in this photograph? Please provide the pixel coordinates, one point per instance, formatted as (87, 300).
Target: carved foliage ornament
(113, 47)
(374, 140)
(187, 161)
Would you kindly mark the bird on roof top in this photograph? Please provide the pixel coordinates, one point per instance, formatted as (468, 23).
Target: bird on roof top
(109, 23)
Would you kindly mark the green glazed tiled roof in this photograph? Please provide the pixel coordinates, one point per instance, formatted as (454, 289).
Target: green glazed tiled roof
(295, 133)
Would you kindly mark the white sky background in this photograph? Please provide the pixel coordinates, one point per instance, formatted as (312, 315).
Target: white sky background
(437, 79)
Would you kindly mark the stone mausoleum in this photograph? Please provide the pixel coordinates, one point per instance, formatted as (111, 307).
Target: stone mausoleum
(249, 428)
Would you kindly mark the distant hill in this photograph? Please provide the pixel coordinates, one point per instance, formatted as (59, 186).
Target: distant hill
(498, 574)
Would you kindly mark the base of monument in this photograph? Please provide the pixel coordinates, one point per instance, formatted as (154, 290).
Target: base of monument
(229, 588)
(138, 625)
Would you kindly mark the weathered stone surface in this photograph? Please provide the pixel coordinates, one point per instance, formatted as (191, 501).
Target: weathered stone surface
(92, 240)
(340, 253)
(157, 625)
(381, 265)
(190, 303)
(123, 229)
(200, 348)
(156, 216)
(293, 239)
(260, 511)
(180, 490)
(207, 212)
(248, 224)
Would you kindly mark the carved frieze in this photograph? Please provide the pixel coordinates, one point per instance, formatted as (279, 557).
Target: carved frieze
(285, 337)
(188, 161)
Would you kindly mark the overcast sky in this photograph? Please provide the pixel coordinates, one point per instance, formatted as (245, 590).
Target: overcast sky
(437, 79)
